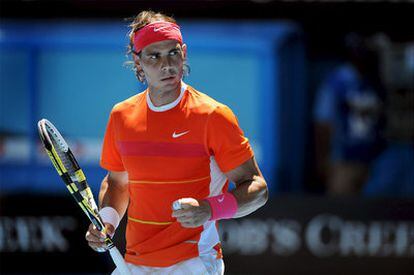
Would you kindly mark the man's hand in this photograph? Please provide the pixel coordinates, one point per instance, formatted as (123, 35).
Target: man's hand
(193, 213)
(96, 238)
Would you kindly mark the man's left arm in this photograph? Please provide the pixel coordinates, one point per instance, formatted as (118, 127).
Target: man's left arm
(251, 190)
(250, 193)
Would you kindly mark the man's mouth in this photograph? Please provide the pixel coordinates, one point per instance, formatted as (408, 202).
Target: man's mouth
(168, 78)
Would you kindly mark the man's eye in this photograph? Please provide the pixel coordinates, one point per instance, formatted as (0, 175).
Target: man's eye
(153, 56)
(175, 52)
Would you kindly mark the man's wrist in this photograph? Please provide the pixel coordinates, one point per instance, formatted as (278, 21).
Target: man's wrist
(223, 206)
(110, 215)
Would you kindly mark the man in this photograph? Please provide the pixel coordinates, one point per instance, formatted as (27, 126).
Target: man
(170, 152)
(348, 120)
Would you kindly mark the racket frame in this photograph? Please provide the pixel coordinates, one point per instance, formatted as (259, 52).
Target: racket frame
(79, 188)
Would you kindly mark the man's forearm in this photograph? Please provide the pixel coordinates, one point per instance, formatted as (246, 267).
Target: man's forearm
(250, 196)
(114, 194)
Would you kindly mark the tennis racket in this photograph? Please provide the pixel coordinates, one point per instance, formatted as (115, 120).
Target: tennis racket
(75, 181)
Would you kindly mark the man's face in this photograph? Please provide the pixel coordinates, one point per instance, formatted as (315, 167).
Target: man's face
(162, 63)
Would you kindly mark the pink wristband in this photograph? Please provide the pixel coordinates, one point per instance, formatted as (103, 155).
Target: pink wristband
(223, 206)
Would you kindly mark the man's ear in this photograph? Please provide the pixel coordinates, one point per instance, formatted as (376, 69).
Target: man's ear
(184, 49)
(139, 72)
(137, 65)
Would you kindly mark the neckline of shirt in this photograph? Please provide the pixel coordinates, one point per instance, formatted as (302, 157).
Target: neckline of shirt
(168, 106)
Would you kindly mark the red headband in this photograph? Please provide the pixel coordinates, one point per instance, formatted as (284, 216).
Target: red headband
(156, 32)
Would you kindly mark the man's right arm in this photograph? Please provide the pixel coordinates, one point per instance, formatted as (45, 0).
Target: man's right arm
(113, 194)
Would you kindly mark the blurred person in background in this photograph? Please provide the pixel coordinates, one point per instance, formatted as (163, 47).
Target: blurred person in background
(393, 171)
(348, 115)
(170, 153)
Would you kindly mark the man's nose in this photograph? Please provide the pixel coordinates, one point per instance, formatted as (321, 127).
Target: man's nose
(165, 63)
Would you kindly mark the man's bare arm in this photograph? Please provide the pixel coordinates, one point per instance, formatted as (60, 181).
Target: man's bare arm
(114, 192)
(251, 189)
(250, 193)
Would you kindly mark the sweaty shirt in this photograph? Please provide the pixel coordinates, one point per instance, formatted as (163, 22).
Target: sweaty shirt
(179, 150)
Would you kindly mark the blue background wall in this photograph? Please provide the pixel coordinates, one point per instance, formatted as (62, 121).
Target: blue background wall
(73, 73)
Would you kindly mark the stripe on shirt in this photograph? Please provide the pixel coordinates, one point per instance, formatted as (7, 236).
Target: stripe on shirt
(161, 149)
(148, 222)
(168, 182)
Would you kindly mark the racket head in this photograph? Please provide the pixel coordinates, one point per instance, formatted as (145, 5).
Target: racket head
(55, 144)
(46, 130)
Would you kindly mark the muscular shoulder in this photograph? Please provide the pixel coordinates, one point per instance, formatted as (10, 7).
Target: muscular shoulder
(203, 104)
(128, 104)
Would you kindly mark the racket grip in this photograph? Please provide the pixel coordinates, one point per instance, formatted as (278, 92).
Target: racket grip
(119, 261)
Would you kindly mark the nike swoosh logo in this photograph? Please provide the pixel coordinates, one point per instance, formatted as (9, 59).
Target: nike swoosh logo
(160, 28)
(221, 199)
(175, 135)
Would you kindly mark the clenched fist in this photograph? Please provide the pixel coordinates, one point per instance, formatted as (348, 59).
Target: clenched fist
(191, 212)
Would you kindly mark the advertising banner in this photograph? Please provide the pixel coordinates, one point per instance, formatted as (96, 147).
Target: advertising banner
(290, 235)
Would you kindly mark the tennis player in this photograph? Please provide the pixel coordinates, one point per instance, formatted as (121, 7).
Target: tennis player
(170, 153)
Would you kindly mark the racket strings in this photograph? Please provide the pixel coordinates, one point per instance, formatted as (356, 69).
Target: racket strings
(57, 138)
(61, 149)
